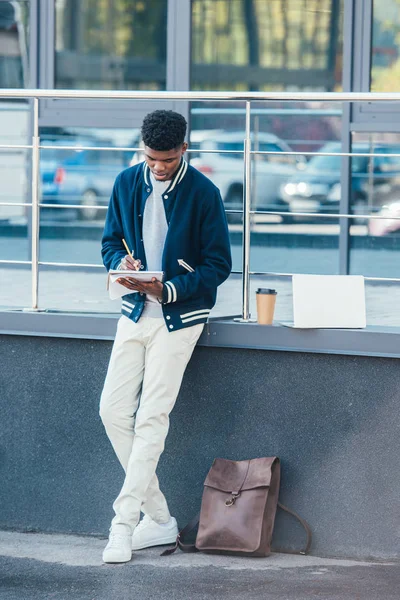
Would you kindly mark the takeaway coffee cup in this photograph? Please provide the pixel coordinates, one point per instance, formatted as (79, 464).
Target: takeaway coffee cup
(266, 299)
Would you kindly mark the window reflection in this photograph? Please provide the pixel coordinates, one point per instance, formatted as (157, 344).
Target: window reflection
(376, 181)
(259, 45)
(375, 241)
(385, 63)
(14, 19)
(109, 44)
(73, 171)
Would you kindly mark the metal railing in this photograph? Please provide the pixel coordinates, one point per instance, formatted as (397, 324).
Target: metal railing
(247, 97)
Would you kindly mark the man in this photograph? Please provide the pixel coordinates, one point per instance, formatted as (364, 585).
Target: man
(173, 220)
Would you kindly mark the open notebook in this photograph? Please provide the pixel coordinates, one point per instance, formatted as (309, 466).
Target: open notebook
(116, 290)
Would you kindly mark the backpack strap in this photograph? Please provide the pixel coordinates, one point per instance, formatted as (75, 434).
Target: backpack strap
(179, 543)
(306, 527)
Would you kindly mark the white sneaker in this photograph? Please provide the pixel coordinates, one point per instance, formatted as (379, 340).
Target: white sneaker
(119, 547)
(148, 533)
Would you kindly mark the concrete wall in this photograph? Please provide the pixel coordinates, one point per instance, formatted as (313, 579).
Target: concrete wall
(333, 420)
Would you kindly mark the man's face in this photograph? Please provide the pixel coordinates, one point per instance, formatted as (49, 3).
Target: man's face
(164, 163)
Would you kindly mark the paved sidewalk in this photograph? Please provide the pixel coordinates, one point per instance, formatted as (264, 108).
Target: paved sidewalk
(41, 567)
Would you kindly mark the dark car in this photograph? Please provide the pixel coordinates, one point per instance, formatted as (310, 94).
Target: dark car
(375, 181)
(78, 176)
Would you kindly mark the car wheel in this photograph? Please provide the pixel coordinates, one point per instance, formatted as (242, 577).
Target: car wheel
(89, 200)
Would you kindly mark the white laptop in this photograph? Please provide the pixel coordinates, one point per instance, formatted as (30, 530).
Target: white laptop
(328, 301)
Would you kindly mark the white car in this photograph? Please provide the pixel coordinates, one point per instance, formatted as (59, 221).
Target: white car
(268, 172)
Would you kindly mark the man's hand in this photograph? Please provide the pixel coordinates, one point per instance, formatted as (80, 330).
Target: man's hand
(154, 288)
(127, 264)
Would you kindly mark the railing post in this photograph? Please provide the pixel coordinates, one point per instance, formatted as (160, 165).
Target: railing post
(35, 206)
(246, 218)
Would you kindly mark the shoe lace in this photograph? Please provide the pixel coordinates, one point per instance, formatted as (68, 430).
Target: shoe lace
(116, 539)
(146, 519)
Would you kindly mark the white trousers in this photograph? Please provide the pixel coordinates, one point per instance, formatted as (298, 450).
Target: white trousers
(143, 380)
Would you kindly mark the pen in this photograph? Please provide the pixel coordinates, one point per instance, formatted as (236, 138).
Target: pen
(127, 249)
(137, 262)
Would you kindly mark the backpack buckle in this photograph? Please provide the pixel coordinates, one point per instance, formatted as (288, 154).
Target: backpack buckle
(231, 501)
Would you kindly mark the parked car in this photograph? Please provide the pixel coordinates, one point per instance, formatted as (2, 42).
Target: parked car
(375, 181)
(226, 170)
(75, 176)
(390, 225)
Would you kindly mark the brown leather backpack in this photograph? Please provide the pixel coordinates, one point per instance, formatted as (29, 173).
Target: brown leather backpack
(238, 509)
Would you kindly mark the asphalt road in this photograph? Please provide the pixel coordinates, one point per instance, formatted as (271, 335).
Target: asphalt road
(40, 567)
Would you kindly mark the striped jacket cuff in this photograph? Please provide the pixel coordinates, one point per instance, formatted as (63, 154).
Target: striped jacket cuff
(169, 293)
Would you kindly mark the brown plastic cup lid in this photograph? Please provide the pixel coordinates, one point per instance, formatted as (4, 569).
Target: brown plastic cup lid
(266, 291)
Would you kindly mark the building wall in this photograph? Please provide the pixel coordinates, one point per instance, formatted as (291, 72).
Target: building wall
(333, 421)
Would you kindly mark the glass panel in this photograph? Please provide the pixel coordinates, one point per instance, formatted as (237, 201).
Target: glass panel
(76, 290)
(15, 165)
(383, 301)
(224, 169)
(65, 239)
(226, 172)
(385, 65)
(74, 172)
(280, 129)
(258, 45)
(14, 44)
(74, 235)
(313, 187)
(111, 44)
(229, 298)
(375, 241)
(301, 182)
(15, 281)
(85, 290)
(375, 178)
(300, 248)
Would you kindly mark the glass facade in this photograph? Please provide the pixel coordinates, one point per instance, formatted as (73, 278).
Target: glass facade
(14, 44)
(385, 59)
(300, 182)
(275, 45)
(110, 44)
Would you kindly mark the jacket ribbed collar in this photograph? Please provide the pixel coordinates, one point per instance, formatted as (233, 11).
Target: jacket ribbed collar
(179, 175)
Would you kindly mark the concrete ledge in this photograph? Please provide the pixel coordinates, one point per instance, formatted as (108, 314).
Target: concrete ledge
(220, 333)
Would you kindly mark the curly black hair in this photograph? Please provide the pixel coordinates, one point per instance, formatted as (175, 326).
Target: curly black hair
(163, 130)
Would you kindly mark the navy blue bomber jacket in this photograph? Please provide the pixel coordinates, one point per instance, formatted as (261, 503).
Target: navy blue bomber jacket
(197, 234)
